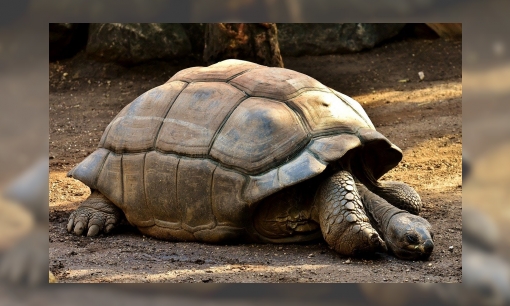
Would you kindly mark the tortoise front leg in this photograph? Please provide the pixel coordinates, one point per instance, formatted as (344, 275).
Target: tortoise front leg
(342, 218)
(96, 214)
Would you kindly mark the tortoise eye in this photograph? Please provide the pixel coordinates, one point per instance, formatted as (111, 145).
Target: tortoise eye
(412, 239)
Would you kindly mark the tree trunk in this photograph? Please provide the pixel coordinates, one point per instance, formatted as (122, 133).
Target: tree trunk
(255, 42)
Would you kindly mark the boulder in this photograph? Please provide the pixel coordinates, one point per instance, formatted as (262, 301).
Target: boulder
(255, 42)
(298, 39)
(66, 39)
(133, 43)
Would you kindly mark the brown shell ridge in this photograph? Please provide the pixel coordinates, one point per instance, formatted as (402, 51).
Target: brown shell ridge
(242, 72)
(181, 155)
(194, 229)
(144, 184)
(167, 224)
(303, 122)
(211, 197)
(299, 147)
(96, 177)
(192, 74)
(288, 97)
(218, 131)
(122, 178)
(177, 189)
(227, 80)
(264, 187)
(105, 135)
(183, 77)
(179, 226)
(240, 170)
(176, 226)
(317, 235)
(166, 114)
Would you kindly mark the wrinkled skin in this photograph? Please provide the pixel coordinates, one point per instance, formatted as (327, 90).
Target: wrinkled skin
(353, 220)
(407, 236)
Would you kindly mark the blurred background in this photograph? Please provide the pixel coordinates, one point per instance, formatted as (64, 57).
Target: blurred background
(24, 57)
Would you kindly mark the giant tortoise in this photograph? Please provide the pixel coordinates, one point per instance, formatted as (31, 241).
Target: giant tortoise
(239, 152)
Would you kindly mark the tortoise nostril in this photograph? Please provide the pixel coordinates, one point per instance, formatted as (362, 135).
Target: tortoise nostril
(428, 246)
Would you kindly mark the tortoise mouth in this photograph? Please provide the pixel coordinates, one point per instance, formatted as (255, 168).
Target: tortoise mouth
(410, 252)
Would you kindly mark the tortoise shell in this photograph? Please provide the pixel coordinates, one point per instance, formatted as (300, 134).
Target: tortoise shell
(190, 159)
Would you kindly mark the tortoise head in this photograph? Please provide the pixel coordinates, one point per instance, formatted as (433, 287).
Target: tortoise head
(409, 236)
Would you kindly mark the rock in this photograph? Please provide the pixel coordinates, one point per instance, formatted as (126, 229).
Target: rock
(133, 43)
(447, 30)
(330, 38)
(67, 39)
(255, 42)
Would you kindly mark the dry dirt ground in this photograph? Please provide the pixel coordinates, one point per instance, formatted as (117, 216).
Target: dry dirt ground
(424, 118)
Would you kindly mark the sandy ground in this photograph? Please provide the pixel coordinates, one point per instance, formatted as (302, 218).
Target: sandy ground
(424, 118)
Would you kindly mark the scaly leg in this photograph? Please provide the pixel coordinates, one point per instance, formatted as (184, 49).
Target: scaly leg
(342, 218)
(96, 214)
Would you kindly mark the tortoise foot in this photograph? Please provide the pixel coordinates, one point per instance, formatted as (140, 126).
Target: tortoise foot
(344, 223)
(95, 215)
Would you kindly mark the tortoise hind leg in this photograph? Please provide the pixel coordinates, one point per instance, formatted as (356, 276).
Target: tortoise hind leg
(343, 221)
(286, 216)
(97, 214)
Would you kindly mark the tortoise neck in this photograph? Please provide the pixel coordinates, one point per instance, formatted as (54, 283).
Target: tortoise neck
(378, 210)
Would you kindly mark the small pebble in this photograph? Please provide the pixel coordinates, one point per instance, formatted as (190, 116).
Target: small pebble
(348, 261)
(450, 248)
(430, 265)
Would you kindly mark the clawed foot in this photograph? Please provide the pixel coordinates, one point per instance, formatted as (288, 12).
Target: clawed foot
(96, 215)
(344, 224)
